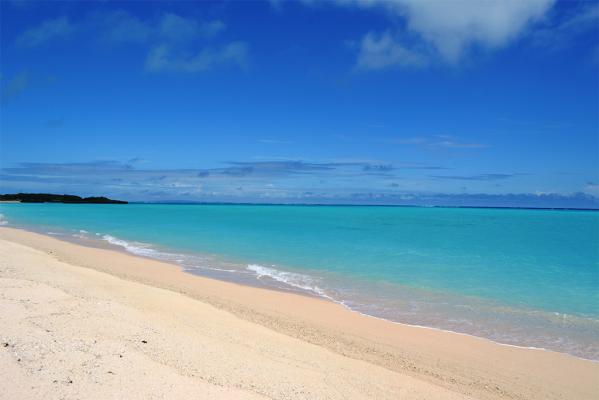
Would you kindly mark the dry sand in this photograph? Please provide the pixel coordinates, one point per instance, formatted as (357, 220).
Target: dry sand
(87, 323)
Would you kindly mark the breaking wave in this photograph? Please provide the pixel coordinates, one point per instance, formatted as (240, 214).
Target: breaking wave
(139, 249)
(299, 281)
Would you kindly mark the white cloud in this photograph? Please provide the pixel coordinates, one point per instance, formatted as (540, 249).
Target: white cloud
(382, 51)
(212, 28)
(450, 28)
(15, 86)
(175, 27)
(558, 32)
(48, 30)
(458, 145)
(121, 27)
(175, 43)
(274, 141)
(581, 17)
(445, 141)
(453, 26)
(592, 189)
(164, 58)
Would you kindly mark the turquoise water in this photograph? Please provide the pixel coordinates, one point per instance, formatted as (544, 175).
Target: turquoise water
(523, 277)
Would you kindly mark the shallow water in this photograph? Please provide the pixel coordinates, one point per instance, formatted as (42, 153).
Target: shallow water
(522, 277)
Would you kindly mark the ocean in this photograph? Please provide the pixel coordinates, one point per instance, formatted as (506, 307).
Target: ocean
(515, 276)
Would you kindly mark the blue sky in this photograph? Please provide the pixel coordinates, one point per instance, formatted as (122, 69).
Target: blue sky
(363, 101)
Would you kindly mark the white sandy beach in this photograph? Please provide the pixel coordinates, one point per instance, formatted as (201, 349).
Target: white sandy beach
(88, 323)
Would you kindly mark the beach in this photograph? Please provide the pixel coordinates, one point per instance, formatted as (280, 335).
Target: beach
(347, 200)
(83, 322)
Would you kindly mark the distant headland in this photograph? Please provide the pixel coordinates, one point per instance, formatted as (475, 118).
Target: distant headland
(57, 198)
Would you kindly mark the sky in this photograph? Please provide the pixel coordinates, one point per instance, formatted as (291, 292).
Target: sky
(492, 103)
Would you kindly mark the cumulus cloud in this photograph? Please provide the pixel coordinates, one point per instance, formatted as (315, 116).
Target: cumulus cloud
(448, 28)
(378, 51)
(48, 30)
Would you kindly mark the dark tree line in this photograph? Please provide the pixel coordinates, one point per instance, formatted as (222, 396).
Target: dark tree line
(57, 198)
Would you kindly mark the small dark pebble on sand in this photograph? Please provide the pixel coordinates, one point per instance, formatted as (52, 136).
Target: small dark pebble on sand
(144, 341)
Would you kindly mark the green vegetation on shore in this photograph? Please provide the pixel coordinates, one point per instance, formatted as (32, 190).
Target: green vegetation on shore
(57, 198)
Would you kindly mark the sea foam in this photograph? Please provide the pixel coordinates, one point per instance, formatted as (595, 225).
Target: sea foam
(299, 281)
(139, 249)
(505, 275)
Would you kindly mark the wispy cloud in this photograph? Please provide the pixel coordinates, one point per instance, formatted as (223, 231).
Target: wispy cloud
(273, 179)
(335, 182)
(274, 141)
(255, 171)
(437, 141)
(175, 27)
(558, 31)
(72, 167)
(276, 167)
(15, 86)
(165, 58)
(452, 144)
(47, 31)
(479, 177)
(591, 188)
(175, 43)
(379, 51)
(550, 200)
(378, 167)
(119, 26)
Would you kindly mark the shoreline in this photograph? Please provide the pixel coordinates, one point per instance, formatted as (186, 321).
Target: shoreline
(458, 362)
(107, 244)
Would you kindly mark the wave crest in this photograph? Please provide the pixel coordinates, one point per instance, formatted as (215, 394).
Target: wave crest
(293, 279)
(138, 248)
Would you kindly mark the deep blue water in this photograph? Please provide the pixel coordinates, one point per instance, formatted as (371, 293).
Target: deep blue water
(524, 277)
